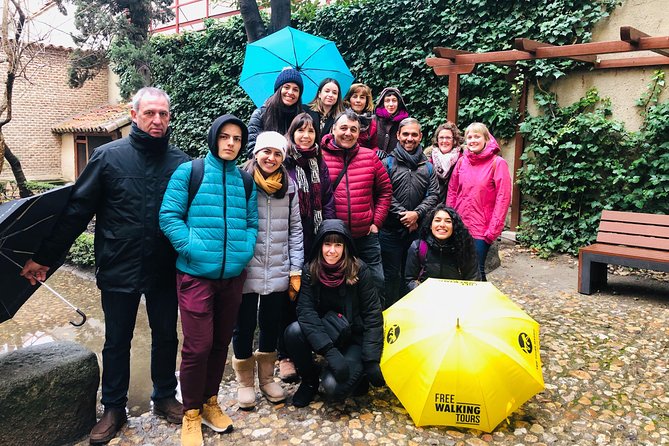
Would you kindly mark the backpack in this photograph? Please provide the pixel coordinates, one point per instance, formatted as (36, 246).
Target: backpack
(422, 258)
(197, 173)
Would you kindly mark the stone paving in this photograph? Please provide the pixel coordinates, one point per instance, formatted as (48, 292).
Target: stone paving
(604, 362)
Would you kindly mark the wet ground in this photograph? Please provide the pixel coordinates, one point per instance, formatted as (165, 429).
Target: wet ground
(604, 360)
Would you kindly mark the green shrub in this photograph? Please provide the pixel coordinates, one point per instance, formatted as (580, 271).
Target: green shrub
(81, 252)
(37, 187)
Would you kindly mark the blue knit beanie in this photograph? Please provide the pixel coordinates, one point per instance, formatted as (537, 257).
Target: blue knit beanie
(289, 75)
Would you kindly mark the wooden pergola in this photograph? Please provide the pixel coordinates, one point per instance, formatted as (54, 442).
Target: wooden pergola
(453, 63)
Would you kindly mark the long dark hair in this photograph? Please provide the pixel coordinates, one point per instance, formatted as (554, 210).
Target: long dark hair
(298, 122)
(350, 264)
(462, 241)
(275, 108)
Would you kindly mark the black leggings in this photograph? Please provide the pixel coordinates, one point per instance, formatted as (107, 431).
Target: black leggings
(267, 316)
(300, 352)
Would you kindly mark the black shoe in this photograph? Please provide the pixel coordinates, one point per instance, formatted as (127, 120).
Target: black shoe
(362, 388)
(306, 392)
(170, 409)
(111, 422)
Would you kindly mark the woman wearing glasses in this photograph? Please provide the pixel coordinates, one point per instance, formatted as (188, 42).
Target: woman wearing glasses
(444, 153)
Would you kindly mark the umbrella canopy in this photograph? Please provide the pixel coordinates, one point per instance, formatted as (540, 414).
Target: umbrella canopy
(23, 225)
(314, 57)
(460, 354)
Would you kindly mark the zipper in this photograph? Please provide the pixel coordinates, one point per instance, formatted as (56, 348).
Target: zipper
(225, 226)
(267, 232)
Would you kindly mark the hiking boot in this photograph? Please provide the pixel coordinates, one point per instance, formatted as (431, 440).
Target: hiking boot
(170, 409)
(111, 422)
(213, 416)
(306, 392)
(287, 372)
(270, 388)
(191, 429)
(245, 374)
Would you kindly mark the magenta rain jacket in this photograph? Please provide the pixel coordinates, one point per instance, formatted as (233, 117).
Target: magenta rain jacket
(480, 191)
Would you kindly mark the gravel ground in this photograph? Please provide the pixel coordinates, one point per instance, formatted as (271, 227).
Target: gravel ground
(604, 363)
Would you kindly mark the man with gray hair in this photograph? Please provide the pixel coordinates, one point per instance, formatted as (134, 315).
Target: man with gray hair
(415, 192)
(123, 186)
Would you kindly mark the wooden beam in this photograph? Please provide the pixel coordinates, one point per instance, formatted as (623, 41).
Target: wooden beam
(438, 62)
(608, 47)
(633, 62)
(494, 57)
(634, 36)
(531, 46)
(454, 69)
(453, 97)
(447, 53)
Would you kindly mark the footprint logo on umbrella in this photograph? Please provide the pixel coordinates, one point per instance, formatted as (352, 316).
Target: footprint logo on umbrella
(393, 334)
(525, 343)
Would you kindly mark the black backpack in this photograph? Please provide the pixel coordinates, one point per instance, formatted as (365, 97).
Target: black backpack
(197, 173)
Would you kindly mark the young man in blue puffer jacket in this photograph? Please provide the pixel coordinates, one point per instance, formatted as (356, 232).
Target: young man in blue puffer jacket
(214, 236)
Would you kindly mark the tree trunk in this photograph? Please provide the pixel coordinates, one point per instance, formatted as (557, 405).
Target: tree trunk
(280, 17)
(20, 177)
(255, 28)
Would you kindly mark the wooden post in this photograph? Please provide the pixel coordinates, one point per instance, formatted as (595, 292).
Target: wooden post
(453, 97)
(517, 163)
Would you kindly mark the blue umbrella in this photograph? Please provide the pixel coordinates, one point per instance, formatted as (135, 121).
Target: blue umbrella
(314, 57)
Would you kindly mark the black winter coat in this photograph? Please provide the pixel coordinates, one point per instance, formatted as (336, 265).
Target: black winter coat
(123, 186)
(440, 263)
(315, 300)
(257, 125)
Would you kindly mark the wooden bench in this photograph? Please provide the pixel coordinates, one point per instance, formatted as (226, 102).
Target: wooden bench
(624, 238)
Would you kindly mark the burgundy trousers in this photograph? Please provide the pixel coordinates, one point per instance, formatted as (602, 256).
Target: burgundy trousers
(208, 314)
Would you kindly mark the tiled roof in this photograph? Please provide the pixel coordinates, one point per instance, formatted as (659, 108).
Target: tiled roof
(103, 119)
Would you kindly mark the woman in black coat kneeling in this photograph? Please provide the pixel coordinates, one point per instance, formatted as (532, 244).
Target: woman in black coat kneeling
(336, 283)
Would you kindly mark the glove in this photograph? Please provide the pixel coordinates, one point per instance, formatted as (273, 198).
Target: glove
(294, 288)
(337, 364)
(374, 374)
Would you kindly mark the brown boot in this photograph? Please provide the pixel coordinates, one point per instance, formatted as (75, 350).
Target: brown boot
(213, 416)
(191, 429)
(270, 388)
(287, 372)
(246, 390)
(111, 422)
(170, 409)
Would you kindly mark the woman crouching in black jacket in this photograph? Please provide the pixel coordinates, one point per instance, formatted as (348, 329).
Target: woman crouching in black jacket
(336, 283)
(444, 250)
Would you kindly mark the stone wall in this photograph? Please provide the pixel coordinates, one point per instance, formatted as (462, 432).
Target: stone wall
(41, 100)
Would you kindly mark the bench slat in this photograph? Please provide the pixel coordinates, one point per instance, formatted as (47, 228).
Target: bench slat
(636, 217)
(625, 251)
(634, 229)
(634, 241)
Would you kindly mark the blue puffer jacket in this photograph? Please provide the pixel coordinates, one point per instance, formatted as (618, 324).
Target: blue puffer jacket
(215, 238)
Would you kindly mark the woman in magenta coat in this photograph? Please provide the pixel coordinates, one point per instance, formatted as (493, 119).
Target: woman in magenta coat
(480, 190)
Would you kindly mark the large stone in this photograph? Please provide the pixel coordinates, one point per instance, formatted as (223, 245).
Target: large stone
(47, 394)
(492, 261)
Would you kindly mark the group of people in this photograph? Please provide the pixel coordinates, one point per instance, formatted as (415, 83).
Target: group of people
(336, 214)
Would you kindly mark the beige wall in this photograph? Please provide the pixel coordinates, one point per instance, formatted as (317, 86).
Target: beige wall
(40, 102)
(625, 85)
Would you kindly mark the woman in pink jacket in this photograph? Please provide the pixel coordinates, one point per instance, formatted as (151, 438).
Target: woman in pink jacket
(480, 190)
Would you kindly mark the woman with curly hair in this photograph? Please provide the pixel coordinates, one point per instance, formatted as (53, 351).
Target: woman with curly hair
(445, 151)
(444, 250)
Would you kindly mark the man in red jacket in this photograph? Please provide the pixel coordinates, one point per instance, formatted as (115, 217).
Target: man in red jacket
(361, 189)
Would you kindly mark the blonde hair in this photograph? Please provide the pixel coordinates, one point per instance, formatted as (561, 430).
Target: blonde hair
(480, 128)
(355, 88)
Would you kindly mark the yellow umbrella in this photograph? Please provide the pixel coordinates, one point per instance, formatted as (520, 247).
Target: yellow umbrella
(460, 353)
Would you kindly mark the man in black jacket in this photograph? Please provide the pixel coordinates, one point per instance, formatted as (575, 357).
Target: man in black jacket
(123, 186)
(415, 192)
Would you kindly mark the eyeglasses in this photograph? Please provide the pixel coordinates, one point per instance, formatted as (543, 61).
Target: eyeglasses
(445, 138)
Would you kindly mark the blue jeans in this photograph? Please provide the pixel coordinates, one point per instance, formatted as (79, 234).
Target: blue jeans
(120, 312)
(369, 251)
(394, 247)
(482, 249)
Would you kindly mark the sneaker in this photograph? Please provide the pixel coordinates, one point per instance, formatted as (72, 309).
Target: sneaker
(191, 429)
(111, 422)
(170, 409)
(287, 372)
(213, 416)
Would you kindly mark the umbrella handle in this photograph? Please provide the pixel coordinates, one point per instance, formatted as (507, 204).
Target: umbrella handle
(83, 318)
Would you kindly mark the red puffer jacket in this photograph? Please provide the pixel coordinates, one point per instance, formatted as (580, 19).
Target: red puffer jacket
(363, 195)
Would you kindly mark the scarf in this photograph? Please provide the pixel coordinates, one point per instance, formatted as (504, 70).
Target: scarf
(270, 184)
(400, 114)
(443, 162)
(411, 160)
(306, 160)
(331, 276)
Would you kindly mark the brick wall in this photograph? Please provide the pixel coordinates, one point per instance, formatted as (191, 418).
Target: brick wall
(41, 101)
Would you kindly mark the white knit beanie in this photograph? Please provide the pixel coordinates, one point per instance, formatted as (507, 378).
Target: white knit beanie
(272, 140)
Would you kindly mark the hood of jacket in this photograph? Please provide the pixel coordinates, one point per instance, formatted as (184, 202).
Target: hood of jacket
(212, 137)
(401, 106)
(490, 150)
(332, 226)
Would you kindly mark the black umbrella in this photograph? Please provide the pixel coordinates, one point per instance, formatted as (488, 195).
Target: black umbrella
(23, 225)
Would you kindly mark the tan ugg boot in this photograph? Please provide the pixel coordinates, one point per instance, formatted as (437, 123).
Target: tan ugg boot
(270, 388)
(245, 373)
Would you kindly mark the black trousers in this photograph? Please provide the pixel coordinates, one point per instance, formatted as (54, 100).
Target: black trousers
(301, 353)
